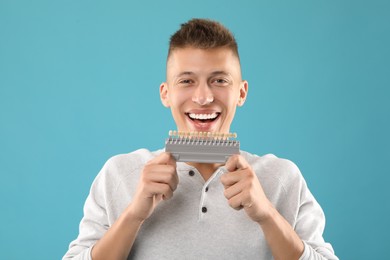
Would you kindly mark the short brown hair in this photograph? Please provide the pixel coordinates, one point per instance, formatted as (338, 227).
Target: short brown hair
(203, 34)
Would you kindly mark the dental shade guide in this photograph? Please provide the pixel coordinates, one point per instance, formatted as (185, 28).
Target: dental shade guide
(202, 147)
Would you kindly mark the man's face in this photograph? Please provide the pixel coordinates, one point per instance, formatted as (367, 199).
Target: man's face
(203, 89)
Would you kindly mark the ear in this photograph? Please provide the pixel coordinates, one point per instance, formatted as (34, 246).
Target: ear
(243, 93)
(164, 94)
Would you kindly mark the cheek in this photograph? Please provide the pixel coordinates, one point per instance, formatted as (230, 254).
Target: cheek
(228, 99)
(178, 98)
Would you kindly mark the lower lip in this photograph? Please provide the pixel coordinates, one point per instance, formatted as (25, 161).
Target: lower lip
(202, 127)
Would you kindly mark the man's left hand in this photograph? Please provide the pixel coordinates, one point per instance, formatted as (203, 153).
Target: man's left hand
(243, 189)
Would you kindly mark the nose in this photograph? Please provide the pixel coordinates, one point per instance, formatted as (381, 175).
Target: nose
(203, 95)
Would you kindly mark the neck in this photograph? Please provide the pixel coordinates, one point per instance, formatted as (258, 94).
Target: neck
(205, 169)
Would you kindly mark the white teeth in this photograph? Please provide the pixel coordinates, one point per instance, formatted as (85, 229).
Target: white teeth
(203, 116)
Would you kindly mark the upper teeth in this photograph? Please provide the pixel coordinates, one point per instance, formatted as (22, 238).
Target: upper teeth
(203, 116)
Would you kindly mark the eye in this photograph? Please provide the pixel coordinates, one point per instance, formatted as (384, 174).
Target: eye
(220, 81)
(185, 82)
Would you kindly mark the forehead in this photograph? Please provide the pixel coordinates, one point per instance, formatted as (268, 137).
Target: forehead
(203, 61)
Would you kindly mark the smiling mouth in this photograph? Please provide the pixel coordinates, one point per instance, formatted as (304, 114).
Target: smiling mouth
(203, 118)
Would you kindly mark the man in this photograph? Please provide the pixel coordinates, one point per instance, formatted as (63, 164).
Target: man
(145, 205)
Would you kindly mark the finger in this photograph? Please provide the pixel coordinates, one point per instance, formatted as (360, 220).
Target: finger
(235, 202)
(241, 200)
(161, 174)
(171, 160)
(156, 189)
(232, 191)
(163, 158)
(235, 162)
(230, 178)
(159, 198)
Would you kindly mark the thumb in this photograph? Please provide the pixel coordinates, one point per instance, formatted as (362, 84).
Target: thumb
(236, 162)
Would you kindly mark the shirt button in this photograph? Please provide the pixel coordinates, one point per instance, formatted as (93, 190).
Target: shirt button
(204, 209)
(207, 189)
(191, 173)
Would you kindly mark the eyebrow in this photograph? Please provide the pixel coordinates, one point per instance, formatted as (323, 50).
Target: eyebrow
(184, 73)
(218, 72)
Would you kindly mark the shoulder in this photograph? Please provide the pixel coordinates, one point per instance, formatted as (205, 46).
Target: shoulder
(271, 166)
(122, 166)
(132, 160)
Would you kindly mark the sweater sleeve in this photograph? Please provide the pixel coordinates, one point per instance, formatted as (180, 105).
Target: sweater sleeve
(94, 223)
(310, 225)
(310, 253)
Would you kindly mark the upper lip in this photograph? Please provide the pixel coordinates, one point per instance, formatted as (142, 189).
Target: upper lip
(202, 111)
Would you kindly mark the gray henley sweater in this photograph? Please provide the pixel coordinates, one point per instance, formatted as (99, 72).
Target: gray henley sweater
(197, 222)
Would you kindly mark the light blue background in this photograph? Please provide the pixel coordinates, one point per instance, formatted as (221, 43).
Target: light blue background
(79, 83)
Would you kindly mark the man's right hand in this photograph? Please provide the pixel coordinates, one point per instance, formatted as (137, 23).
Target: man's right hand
(158, 181)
